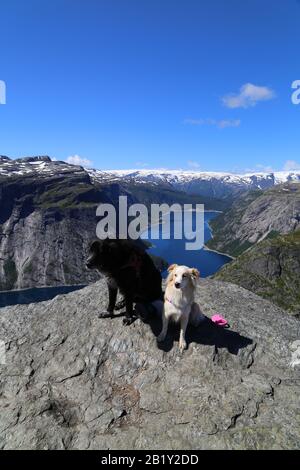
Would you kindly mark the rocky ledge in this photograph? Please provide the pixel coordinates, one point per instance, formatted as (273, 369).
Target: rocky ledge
(72, 381)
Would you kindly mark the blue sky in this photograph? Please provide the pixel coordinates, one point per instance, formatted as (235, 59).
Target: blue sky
(154, 83)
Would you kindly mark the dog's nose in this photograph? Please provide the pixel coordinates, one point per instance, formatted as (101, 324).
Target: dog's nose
(177, 285)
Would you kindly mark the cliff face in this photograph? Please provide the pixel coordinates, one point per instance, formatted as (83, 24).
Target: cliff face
(263, 230)
(45, 225)
(271, 269)
(256, 216)
(73, 381)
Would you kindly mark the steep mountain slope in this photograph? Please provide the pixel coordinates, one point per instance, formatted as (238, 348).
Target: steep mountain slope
(263, 230)
(255, 216)
(72, 381)
(48, 217)
(271, 269)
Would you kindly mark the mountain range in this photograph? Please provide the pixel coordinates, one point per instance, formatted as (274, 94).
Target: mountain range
(216, 185)
(48, 216)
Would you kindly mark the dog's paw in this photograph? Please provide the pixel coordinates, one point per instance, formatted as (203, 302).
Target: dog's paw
(120, 305)
(161, 337)
(105, 314)
(182, 346)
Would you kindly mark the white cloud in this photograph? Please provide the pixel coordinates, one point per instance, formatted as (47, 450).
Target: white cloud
(248, 96)
(77, 160)
(193, 164)
(291, 165)
(221, 124)
(2, 92)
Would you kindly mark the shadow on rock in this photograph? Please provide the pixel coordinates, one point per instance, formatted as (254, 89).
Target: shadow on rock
(207, 333)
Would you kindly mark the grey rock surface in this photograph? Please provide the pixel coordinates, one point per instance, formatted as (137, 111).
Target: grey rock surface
(73, 381)
(256, 216)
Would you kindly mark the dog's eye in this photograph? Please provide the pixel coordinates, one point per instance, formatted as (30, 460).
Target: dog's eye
(184, 275)
(175, 275)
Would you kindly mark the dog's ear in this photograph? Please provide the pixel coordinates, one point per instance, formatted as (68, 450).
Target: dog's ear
(171, 274)
(111, 245)
(173, 266)
(195, 274)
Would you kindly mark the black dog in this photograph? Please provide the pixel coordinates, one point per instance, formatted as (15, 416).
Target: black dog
(128, 268)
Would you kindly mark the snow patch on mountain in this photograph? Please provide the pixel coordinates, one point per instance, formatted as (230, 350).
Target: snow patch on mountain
(211, 184)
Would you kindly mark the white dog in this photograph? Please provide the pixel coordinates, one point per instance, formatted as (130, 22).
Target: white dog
(179, 302)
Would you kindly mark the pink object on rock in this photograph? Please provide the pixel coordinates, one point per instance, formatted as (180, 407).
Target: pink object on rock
(219, 320)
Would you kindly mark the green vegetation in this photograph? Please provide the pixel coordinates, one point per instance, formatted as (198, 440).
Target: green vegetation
(161, 194)
(63, 196)
(233, 248)
(272, 234)
(11, 274)
(270, 269)
(66, 268)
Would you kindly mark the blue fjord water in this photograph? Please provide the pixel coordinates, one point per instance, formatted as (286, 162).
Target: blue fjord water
(38, 294)
(173, 251)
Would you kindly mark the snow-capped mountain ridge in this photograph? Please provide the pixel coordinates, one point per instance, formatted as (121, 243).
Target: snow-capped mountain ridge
(185, 175)
(208, 184)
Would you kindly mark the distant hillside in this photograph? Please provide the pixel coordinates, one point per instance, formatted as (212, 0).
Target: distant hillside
(255, 216)
(270, 269)
(262, 229)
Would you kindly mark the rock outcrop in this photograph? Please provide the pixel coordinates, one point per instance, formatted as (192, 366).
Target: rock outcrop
(255, 216)
(48, 216)
(263, 230)
(270, 269)
(73, 381)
